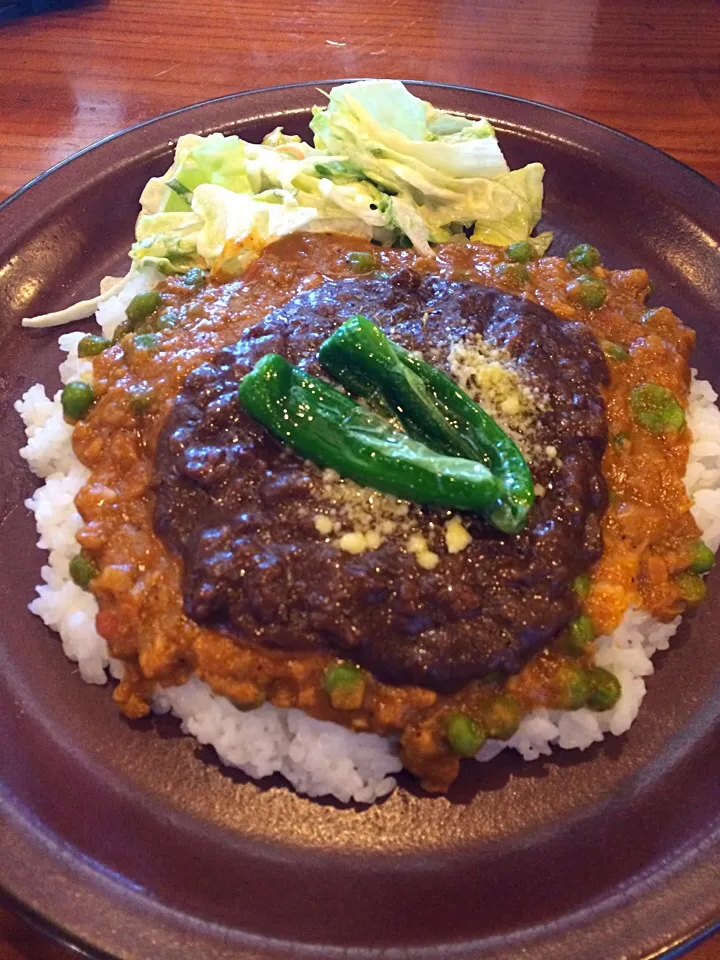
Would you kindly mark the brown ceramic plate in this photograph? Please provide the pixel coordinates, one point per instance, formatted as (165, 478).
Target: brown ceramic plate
(131, 839)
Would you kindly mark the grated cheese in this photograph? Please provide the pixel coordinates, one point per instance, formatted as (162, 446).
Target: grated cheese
(456, 535)
(416, 543)
(491, 377)
(427, 559)
(358, 517)
(323, 524)
(354, 542)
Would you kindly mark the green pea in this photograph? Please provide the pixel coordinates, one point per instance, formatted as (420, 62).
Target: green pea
(615, 351)
(620, 439)
(195, 278)
(583, 256)
(574, 686)
(692, 588)
(140, 399)
(590, 292)
(501, 717)
(76, 399)
(145, 341)
(578, 690)
(521, 252)
(92, 345)
(464, 734)
(83, 569)
(514, 274)
(581, 585)
(703, 559)
(494, 676)
(341, 675)
(656, 409)
(168, 318)
(122, 330)
(141, 306)
(580, 634)
(257, 701)
(605, 689)
(362, 261)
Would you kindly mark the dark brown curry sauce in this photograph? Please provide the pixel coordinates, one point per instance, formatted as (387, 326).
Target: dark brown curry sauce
(240, 507)
(648, 529)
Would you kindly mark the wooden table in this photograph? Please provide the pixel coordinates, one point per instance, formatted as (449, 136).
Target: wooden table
(649, 67)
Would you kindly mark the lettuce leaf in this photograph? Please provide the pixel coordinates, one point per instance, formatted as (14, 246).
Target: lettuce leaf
(384, 165)
(442, 169)
(378, 123)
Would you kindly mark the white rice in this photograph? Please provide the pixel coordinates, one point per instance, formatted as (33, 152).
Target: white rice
(317, 757)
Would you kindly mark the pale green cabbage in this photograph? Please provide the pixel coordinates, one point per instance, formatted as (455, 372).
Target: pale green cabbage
(385, 165)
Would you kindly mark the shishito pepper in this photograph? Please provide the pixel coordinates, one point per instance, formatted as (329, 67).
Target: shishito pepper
(332, 430)
(430, 406)
(359, 385)
(364, 361)
(502, 454)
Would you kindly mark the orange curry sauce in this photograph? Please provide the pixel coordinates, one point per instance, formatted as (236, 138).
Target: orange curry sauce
(648, 528)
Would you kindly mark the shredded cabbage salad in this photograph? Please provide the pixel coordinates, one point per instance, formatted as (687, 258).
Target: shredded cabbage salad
(384, 165)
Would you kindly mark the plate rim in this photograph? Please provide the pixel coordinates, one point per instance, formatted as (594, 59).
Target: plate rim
(54, 930)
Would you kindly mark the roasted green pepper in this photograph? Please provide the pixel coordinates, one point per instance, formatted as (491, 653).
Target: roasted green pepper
(430, 406)
(366, 363)
(329, 428)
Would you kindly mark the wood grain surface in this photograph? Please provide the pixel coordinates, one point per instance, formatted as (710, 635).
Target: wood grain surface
(648, 67)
